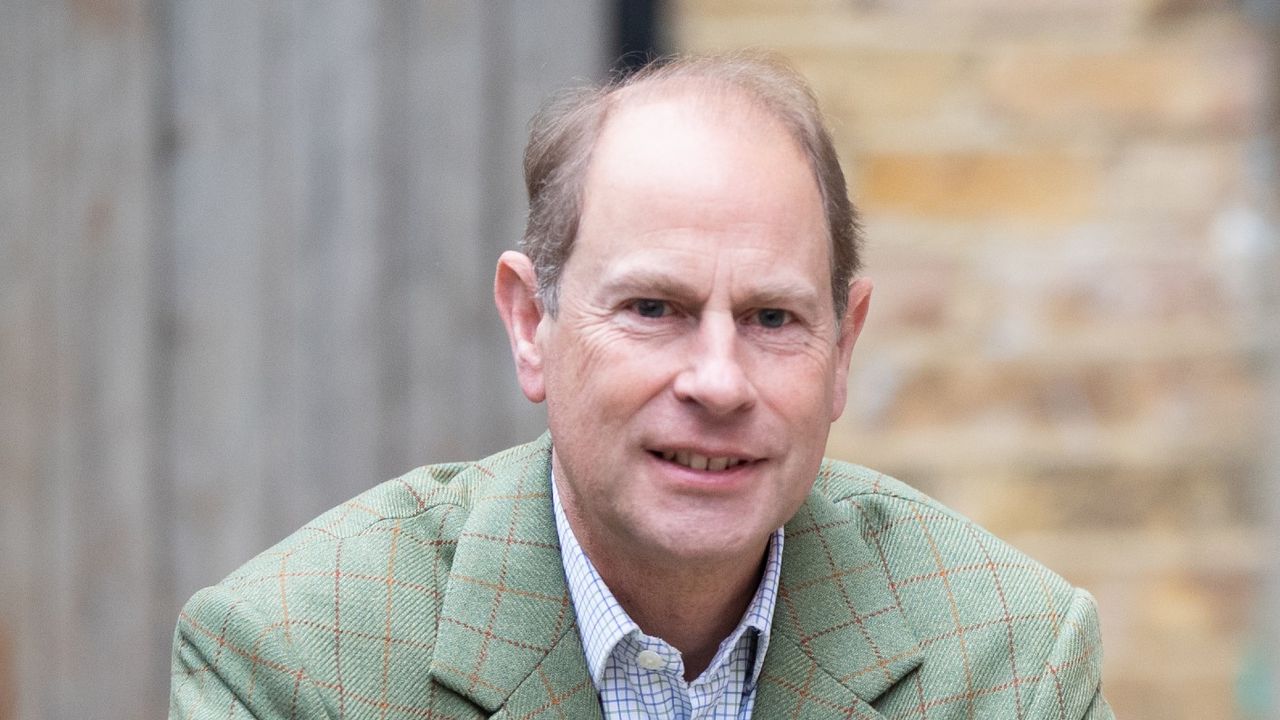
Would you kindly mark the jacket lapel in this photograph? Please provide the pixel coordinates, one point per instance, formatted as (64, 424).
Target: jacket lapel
(558, 688)
(839, 639)
(508, 641)
(507, 634)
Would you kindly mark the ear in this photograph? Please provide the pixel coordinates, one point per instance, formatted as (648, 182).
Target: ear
(851, 326)
(515, 288)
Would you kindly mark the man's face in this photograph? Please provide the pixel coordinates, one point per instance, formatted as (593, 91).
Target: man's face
(695, 364)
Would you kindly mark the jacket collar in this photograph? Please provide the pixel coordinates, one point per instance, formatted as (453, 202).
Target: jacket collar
(507, 637)
(840, 637)
(506, 634)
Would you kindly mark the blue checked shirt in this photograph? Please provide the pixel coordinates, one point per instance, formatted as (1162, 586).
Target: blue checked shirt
(642, 677)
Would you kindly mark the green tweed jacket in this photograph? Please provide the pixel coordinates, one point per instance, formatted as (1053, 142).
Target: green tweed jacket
(441, 595)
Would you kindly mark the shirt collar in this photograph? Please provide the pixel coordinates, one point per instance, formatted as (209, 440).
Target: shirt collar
(603, 623)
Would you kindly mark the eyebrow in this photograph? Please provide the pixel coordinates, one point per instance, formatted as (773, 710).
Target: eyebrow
(764, 293)
(646, 281)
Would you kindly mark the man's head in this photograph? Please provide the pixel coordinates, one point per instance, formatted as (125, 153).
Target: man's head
(697, 356)
(564, 133)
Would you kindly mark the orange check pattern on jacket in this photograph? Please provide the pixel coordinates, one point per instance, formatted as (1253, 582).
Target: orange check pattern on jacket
(441, 595)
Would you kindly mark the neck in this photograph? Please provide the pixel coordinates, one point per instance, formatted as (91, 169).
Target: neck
(692, 607)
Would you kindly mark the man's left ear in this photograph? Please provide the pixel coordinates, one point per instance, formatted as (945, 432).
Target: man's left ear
(855, 315)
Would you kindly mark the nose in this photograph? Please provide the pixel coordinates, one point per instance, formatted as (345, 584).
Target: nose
(714, 377)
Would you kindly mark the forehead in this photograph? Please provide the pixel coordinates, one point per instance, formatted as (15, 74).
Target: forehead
(653, 127)
(705, 177)
(714, 147)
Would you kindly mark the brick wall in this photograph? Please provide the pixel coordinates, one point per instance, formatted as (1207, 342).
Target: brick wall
(1067, 204)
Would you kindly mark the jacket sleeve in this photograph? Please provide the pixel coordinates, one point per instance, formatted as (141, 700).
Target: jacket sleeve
(1070, 686)
(230, 661)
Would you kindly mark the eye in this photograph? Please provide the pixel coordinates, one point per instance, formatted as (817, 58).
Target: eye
(772, 317)
(649, 308)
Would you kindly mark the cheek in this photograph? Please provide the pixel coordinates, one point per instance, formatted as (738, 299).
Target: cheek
(602, 378)
(573, 357)
(798, 381)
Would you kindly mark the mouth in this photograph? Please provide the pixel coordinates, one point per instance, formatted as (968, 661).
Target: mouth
(695, 461)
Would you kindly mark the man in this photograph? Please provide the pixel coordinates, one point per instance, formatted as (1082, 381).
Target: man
(686, 304)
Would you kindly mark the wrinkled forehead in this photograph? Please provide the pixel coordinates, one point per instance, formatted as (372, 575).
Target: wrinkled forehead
(703, 177)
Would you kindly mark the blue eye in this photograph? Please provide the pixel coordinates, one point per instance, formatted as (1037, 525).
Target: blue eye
(772, 317)
(650, 308)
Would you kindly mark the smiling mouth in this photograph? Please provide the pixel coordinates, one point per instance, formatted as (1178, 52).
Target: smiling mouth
(694, 461)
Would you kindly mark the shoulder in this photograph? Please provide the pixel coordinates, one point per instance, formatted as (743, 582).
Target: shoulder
(418, 513)
(999, 631)
(369, 572)
(925, 543)
(413, 518)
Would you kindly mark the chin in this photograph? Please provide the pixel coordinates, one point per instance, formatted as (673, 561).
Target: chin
(709, 545)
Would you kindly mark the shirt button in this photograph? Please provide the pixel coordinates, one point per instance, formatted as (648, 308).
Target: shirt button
(650, 660)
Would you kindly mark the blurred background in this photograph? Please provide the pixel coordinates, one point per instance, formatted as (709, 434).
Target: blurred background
(246, 252)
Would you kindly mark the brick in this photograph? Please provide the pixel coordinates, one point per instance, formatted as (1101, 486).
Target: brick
(839, 27)
(916, 293)
(1237, 550)
(1034, 186)
(1174, 179)
(1185, 698)
(1015, 500)
(858, 83)
(1060, 197)
(741, 7)
(916, 101)
(1163, 12)
(921, 24)
(1081, 286)
(1078, 21)
(1056, 91)
(1172, 397)
(1116, 497)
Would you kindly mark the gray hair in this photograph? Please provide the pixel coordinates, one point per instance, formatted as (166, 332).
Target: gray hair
(563, 133)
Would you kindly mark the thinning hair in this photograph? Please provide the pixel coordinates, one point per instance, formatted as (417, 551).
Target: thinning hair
(564, 132)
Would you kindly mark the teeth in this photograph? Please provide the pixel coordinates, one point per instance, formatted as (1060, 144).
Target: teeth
(700, 462)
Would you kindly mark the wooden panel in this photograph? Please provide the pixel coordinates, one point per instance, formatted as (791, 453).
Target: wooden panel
(332, 211)
(212, 292)
(26, 380)
(453, 200)
(434, 138)
(1269, 13)
(276, 272)
(333, 221)
(104, 370)
(86, 575)
(336, 264)
(531, 60)
(245, 274)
